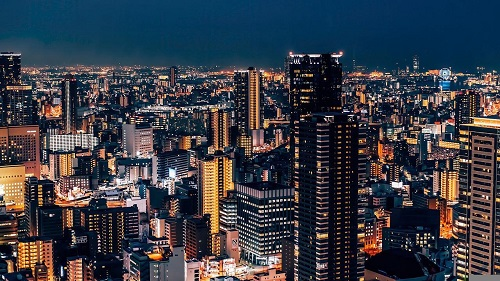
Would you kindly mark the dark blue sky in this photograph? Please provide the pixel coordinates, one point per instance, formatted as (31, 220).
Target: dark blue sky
(462, 34)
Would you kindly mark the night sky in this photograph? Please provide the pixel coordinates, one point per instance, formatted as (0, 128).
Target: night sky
(460, 34)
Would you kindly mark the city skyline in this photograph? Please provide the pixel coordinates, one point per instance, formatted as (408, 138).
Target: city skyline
(243, 34)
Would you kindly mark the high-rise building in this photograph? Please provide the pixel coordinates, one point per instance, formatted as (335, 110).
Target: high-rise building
(10, 74)
(265, 218)
(112, 226)
(198, 238)
(137, 139)
(11, 186)
(315, 86)
(166, 163)
(446, 183)
(69, 100)
(215, 180)
(219, 128)
(467, 105)
(33, 251)
(173, 76)
(18, 103)
(10, 69)
(249, 100)
(228, 211)
(21, 145)
(475, 221)
(416, 64)
(326, 198)
(37, 193)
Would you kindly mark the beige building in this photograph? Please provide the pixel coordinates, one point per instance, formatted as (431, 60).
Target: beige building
(446, 182)
(35, 250)
(12, 186)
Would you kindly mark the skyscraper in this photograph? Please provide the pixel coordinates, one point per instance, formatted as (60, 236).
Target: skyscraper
(248, 103)
(69, 100)
(173, 76)
(467, 105)
(37, 193)
(18, 103)
(219, 127)
(326, 198)
(216, 179)
(265, 218)
(315, 86)
(10, 75)
(475, 222)
(10, 69)
(112, 226)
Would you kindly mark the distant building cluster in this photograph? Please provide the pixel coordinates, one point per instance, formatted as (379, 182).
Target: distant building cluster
(201, 173)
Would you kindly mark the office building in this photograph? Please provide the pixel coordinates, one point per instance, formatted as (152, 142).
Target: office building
(265, 218)
(10, 69)
(476, 223)
(171, 164)
(327, 198)
(198, 238)
(37, 193)
(10, 74)
(8, 229)
(79, 269)
(219, 128)
(18, 103)
(249, 100)
(215, 180)
(69, 101)
(51, 221)
(315, 86)
(228, 212)
(137, 139)
(467, 105)
(11, 186)
(36, 250)
(412, 228)
(57, 142)
(21, 145)
(112, 226)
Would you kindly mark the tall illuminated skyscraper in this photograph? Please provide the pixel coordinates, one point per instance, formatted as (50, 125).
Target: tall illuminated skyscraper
(69, 101)
(18, 103)
(173, 76)
(10, 75)
(219, 128)
(315, 86)
(248, 103)
(475, 219)
(467, 105)
(10, 69)
(326, 212)
(216, 179)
